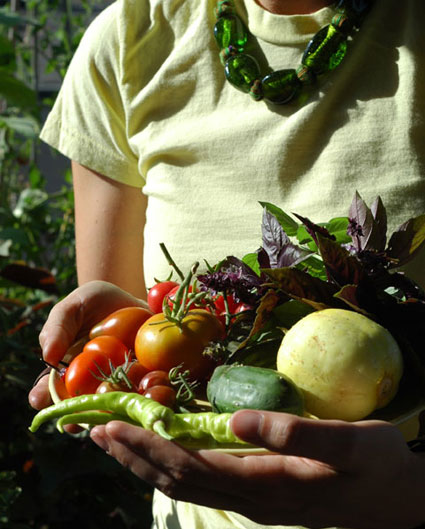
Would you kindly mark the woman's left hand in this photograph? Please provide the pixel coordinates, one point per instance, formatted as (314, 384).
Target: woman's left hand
(326, 473)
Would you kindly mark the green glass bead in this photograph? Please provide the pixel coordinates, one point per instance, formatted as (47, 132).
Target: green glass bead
(229, 30)
(326, 50)
(281, 86)
(342, 23)
(241, 71)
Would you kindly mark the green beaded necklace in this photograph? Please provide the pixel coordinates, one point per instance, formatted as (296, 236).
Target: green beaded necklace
(324, 52)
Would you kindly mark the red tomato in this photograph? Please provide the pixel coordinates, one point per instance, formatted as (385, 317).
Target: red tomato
(220, 307)
(109, 346)
(172, 294)
(108, 387)
(123, 324)
(162, 394)
(157, 294)
(154, 378)
(80, 376)
(135, 373)
(162, 345)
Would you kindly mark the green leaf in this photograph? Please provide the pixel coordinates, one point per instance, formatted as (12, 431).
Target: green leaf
(251, 260)
(13, 19)
(287, 314)
(288, 224)
(338, 228)
(7, 53)
(26, 126)
(15, 235)
(315, 267)
(16, 92)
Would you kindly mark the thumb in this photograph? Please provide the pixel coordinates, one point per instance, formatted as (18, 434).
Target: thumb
(333, 442)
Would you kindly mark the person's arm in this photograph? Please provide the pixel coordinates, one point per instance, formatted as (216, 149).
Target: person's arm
(109, 222)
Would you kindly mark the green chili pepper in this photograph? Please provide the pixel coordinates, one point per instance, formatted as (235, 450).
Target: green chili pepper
(92, 418)
(194, 430)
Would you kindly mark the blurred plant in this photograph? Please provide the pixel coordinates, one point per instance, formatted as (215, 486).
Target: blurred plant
(48, 481)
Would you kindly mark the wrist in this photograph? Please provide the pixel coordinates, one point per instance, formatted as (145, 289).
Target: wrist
(414, 492)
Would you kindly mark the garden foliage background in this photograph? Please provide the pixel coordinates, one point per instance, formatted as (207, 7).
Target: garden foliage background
(47, 480)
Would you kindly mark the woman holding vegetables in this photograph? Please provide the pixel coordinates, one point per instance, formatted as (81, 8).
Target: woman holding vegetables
(146, 104)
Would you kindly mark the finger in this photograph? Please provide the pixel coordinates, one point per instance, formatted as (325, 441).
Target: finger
(39, 396)
(75, 315)
(211, 470)
(337, 443)
(172, 482)
(61, 328)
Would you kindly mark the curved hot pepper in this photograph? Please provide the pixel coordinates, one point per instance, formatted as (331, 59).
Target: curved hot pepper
(195, 430)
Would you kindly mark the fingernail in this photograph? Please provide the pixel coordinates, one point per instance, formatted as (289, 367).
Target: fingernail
(99, 437)
(246, 424)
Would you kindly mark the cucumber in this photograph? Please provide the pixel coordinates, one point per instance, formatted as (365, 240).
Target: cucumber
(235, 387)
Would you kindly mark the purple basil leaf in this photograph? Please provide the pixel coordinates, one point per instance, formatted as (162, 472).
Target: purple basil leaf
(360, 222)
(291, 255)
(367, 227)
(342, 267)
(313, 228)
(234, 276)
(349, 294)
(407, 240)
(273, 235)
(263, 258)
(304, 287)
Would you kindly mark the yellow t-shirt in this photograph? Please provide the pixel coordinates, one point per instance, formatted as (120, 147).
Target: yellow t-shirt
(145, 102)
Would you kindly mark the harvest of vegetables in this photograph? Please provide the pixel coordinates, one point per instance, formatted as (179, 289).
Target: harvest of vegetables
(319, 321)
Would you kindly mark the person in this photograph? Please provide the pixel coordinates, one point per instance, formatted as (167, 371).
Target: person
(145, 105)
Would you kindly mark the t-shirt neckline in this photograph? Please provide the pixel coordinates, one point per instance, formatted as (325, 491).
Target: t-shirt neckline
(282, 29)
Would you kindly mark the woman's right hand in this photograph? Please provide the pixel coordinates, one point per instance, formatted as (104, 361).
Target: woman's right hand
(71, 319)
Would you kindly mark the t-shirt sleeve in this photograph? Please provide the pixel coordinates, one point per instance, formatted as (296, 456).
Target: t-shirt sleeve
(88, 121)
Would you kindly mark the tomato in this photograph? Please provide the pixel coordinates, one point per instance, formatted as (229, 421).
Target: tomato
(220, 307)
(83, 374)
(162, 394)
(123, 324)
(107, 387)
(154, 378)
(111, 347)
(172, 294)
(135, 373)
(162, 345)
(157, 294)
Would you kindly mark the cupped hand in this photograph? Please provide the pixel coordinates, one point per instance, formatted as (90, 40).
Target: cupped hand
(71, 319)
(322, 473)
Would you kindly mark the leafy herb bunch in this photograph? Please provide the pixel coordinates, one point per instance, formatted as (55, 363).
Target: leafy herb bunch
(348, 262)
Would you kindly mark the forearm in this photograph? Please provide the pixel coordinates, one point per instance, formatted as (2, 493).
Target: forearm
(109, 231)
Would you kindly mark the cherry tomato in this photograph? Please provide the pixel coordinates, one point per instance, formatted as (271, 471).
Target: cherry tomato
(172, 294)
(123, 324)
(162, 394)
(157, 294)
(154, 378)
(108, 387)
(83, 374)
(162, 345)
(135, 373)
(109, 346)
(220, 306)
